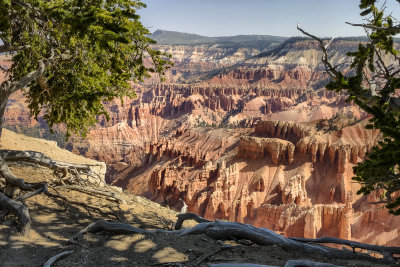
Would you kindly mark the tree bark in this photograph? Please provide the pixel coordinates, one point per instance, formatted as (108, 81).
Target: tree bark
(18, 210)
(4, 95)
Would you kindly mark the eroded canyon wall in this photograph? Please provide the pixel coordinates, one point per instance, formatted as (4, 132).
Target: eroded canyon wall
(257, 139)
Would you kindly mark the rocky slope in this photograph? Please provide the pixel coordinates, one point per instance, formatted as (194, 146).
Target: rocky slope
(257, 139)
(285, 176)
(55, 221)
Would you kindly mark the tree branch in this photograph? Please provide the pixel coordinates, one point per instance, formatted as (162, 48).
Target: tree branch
(18, 210)
(10, 49)
(27, 79)
(373, 27)
(331, 70)
(387, 252)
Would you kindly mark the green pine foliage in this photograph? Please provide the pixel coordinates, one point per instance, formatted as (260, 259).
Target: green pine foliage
(92, 51)
(380, 171)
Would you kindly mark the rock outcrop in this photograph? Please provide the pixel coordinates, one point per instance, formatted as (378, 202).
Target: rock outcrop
(260, 142)
(303, 189)
(280, 151)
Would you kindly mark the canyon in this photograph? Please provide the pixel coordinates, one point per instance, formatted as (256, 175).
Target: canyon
(245, 133)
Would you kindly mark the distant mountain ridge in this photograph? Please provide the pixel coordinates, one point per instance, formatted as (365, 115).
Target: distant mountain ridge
(179, 38)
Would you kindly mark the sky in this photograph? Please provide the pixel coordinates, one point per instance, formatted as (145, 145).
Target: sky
(324, 18)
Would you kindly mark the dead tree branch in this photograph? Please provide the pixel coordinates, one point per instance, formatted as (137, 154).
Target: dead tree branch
(112, 227)
(15, 181)
(188, 216)
(330, 69)
(31, 194)
(18, 210)
(42, 160)
(387, 252)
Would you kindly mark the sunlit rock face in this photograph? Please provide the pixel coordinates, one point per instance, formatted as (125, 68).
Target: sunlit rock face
(248, 137)
(299, 189)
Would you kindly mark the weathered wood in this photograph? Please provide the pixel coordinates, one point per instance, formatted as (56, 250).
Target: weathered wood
(13, 180)
(18, 210)
(57, 257)
(112, 227)
(387, 252)
(94, 191)
(42, 160)
(188, 216)
(221, 230)
(117, 228)
(31, 194)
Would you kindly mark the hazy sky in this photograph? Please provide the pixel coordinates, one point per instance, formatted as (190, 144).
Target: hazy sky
(273, 17)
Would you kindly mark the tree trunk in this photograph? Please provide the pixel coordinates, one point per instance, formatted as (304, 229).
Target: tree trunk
(3, 104)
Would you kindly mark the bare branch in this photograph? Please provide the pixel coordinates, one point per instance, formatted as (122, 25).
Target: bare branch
(332, 71)
(373, 27)
(18, 210)
(387, 252)
(188, 216)
(31, 194)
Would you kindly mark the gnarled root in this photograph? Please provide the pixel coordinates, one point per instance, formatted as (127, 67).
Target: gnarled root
(12, 182)
(42, 160)
(387, 252)
(57, 257)
(112, 227)
(221, 230)
(11, 179)
(18, 210)
(188, 216)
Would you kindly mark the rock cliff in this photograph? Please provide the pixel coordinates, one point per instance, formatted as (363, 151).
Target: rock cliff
(256, 139)
(303, 189)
